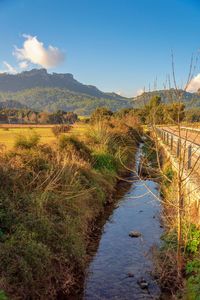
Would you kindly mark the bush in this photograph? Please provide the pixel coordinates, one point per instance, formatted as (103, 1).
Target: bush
(104, 161)
(193, 239)
(74, 147)
(169, 175)
(100, 114)
(193, 280)
(57, 130)
(3, 296)
(27, 142)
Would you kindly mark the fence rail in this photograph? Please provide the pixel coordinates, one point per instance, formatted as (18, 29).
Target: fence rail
(188, 151)
(191, 129)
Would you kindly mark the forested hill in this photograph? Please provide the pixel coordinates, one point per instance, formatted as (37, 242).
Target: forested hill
(168, 96)
(54, 99)
(41, 91)
(40, 78)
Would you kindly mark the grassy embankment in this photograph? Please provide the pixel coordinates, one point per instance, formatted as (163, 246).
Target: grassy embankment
(188, 286)
(49, 197)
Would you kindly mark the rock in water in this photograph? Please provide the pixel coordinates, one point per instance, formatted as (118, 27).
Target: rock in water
(135, 234)
(143, 283)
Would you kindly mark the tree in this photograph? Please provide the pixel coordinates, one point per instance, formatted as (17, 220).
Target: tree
(101, 113)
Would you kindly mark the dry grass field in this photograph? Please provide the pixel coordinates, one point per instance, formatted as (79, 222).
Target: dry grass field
(10, 132)
(8, 135)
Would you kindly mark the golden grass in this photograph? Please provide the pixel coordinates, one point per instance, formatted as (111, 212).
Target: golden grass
(8, 137)
(9, 133)
(79, 129)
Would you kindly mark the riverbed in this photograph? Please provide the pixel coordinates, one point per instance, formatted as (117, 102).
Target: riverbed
(122, 262)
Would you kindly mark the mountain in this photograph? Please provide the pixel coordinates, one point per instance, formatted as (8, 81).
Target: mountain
(168, 96)
(54, 99)
(40, 78)
(12, 104)
(41, 91)
(38, 90)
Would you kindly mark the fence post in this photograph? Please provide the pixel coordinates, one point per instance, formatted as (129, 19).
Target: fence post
(171, 146)
(178, 147)
(167, 138)
(189, 156)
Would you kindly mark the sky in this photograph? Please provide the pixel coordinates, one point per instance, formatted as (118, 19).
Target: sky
(119, 46)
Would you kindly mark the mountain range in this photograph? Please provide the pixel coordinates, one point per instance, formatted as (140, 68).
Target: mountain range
(168, 96)
(38, 90)
(41, 78)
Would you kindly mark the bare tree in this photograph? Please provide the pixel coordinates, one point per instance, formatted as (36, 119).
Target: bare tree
(179, 142)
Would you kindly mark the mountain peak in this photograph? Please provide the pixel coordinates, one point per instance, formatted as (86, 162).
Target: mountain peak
(34, 72)
(42, 79)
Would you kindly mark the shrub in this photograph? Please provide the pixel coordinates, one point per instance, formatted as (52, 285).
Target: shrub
(169, 175)
(104, 161)
(27, 142)
(74, 147)
(99, 134)
(57, 130)
(193, 280)
(3, 296)
(193, 239)
(100, 114)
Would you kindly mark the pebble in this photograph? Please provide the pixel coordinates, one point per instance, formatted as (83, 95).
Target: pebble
(135, 234)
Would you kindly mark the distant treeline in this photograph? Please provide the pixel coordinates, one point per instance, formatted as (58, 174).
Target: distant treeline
(20, 116)
(160, 113)
(163, 114)
(54, 99)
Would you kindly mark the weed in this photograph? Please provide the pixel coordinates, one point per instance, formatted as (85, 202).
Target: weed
(27, 142)
(3, 295)
(104, 161)
(193, 239)
(193, 280)
(59, 129)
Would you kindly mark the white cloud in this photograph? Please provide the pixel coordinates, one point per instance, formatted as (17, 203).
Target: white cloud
(33, 51)
(23, 65)
(8, 68)
(139, 92)
(194, 84)
(120, 93)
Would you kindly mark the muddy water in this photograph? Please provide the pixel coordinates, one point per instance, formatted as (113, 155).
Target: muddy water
(118, 255)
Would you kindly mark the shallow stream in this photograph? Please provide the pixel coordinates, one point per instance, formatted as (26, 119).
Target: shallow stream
(121, 262)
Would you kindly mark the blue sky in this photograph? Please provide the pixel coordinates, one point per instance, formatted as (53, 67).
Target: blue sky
(117, 45)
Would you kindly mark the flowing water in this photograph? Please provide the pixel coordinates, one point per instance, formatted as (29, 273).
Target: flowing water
(121, 261)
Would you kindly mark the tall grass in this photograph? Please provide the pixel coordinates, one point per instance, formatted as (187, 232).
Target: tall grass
(27, 141)
(49, 196)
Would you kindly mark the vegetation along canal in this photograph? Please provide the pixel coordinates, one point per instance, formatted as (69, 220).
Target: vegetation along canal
(122, 266)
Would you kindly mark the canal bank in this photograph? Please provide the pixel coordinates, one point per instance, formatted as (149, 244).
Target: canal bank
(122, 263)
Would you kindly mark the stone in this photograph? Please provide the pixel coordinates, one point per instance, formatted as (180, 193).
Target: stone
(130, 274)
(135, 234)
(143, 283)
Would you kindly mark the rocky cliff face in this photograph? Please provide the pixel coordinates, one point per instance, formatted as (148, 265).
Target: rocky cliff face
(40, 78)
